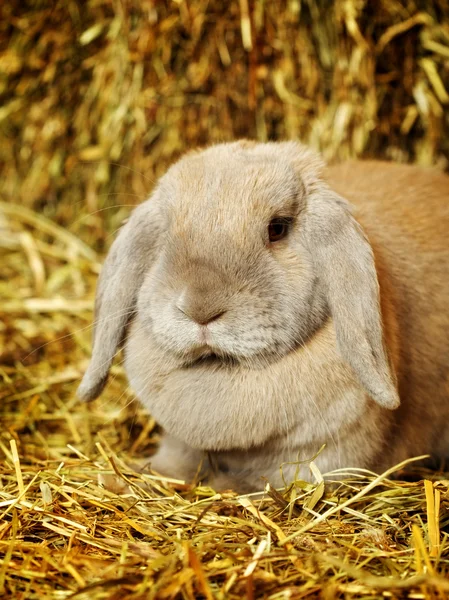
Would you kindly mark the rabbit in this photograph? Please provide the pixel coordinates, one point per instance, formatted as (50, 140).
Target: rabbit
(269, 304)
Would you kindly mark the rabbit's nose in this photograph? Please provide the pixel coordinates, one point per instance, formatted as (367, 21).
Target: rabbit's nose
(201, 315)
(200, 308)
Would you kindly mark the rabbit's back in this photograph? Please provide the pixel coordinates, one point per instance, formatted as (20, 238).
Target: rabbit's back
(411, 202)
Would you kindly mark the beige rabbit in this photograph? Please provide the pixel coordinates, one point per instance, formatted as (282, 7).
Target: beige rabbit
(263, 316)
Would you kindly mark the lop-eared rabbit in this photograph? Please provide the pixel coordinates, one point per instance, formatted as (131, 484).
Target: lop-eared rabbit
(269, 304)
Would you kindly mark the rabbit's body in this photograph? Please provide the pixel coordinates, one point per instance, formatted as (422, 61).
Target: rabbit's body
(250, 421)
(259, 352)
(404, 211)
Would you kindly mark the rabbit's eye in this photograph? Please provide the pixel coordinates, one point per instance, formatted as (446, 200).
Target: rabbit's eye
(278, 229)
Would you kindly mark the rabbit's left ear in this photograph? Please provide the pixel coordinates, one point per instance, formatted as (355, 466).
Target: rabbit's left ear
(130, 256)
(344, 263)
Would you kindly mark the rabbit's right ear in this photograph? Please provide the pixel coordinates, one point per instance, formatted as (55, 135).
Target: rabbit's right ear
(121, 277)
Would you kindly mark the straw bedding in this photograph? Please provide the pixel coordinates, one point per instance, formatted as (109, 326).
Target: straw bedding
(97, 98)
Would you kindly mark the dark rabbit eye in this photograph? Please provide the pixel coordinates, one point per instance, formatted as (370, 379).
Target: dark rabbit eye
(278, 229)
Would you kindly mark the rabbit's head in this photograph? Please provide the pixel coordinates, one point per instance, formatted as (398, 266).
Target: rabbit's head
(239, 256)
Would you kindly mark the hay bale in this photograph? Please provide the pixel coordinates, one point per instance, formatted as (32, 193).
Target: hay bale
(98, 98)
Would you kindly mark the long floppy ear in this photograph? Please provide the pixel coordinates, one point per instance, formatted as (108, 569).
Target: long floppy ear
(345, 266)
(122, 274)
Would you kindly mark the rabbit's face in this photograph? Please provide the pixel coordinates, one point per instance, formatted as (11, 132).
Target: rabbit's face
(233, 280)
(239, 256)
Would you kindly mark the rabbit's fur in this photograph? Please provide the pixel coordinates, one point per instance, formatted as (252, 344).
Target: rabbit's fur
(256, 353)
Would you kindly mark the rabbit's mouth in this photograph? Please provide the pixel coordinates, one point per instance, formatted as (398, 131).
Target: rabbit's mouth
(213, 359)
(208, 357)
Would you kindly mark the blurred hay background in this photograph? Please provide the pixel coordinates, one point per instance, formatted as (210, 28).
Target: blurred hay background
(96, 99)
